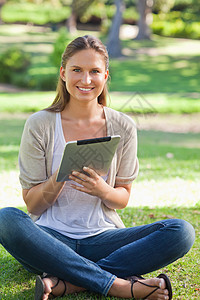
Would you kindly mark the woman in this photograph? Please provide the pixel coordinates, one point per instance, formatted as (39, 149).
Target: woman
(78, 242)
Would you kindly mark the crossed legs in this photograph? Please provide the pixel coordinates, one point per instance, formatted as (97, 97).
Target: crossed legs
(138, 251)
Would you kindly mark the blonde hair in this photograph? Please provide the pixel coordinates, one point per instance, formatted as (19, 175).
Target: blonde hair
(78, 44)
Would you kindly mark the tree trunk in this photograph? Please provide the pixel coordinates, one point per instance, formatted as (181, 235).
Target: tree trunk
(2, 2)
(72, 23)
(113, 45)
(145, 11)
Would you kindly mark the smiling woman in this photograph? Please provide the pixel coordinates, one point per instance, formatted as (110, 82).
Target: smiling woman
(78, 241)
(85, 75)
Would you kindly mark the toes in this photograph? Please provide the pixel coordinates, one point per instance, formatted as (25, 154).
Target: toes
(163, 294)
(161, 283)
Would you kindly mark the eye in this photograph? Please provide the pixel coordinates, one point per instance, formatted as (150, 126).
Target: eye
(76, 70)
(95, 71)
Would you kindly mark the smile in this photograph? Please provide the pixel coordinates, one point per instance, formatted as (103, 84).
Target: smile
(85, 89)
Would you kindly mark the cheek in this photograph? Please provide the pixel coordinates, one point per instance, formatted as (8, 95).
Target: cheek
(71, 81)
(100, 80)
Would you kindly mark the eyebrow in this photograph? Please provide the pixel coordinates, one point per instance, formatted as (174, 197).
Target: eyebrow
(75, 67)
(95, 68)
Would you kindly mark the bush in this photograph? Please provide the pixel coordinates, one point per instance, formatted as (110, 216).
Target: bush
(44, 82)
(13, 62)
(176, 24)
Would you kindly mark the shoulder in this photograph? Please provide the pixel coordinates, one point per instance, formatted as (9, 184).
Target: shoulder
(120, 119)
(41, 119)
(43, 116)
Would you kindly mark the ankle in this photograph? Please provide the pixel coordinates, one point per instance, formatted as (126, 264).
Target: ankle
(121, 288)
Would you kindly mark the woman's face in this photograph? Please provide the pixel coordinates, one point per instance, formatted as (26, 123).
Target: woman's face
(85, 75)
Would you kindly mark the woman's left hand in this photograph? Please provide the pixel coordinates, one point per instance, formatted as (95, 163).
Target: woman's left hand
(93, 184)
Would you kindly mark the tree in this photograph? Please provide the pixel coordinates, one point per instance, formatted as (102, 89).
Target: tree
(78, 8)
(113, 45)
(145, 12)
(2, 2)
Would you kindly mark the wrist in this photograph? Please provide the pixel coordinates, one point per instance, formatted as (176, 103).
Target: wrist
(106, 193)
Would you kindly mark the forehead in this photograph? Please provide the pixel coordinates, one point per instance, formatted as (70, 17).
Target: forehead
(87, 57)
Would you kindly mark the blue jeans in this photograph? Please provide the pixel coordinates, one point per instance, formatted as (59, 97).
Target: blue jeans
(94, 262)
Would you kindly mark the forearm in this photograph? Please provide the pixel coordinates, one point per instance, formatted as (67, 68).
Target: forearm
(41, 197)
(116, 198)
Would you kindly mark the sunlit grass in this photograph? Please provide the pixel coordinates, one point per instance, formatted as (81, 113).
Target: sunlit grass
(133, 102)
(151, 74)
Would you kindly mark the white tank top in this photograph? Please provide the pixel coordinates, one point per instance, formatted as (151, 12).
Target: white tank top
(74, 214)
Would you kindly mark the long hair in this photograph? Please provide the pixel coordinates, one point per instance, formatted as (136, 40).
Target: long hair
(78, 44)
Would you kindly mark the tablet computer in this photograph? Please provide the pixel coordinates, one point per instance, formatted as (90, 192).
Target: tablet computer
(96, 153)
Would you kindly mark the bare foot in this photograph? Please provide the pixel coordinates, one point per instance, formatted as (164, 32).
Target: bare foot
(58, 290)
(122, 289)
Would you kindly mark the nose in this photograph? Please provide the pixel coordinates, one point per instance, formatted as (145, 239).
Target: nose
(86, 79)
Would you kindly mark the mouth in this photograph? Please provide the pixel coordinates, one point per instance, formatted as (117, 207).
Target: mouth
(85, 89)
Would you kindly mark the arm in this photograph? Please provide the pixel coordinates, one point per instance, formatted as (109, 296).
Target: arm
(39, 187)
(42, 196)
(113, 197)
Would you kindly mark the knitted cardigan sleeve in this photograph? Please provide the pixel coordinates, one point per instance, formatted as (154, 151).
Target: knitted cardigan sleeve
(36, 149)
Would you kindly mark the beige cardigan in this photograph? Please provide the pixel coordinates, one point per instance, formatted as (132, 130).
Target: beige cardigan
(37, 144)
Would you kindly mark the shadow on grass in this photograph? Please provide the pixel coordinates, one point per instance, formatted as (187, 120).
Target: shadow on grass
(165, 74)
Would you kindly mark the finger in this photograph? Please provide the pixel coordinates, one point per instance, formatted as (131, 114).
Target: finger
(84, 182)
(91, 172)
(81, 176)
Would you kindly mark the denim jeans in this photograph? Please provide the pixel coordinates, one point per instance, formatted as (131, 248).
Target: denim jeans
(94, 262)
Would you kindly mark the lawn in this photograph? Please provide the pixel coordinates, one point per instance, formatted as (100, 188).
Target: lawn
(132, 102)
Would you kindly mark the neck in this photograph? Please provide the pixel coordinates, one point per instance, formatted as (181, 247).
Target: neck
(84, 111)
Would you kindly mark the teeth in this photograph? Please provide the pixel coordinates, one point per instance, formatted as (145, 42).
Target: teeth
(83, 89)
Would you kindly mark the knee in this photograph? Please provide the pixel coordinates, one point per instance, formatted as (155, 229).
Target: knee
(7, 213)
(9, 218)
(184, 235)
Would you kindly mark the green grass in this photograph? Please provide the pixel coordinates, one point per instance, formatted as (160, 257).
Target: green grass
(165, 74)
(153, 149)
(16, 283)
(25, 101)
(141, 103)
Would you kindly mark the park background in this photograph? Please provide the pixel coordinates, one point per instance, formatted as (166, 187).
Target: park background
(155, 77)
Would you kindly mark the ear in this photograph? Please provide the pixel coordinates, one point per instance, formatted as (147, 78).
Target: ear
(106, 74)
(62, 73)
